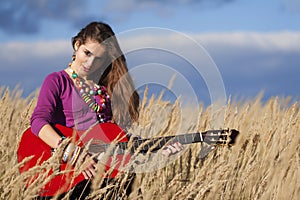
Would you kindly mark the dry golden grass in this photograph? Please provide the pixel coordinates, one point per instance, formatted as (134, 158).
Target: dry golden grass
(264, 164)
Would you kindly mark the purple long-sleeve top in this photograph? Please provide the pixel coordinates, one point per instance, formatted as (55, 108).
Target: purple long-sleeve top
(60, 103)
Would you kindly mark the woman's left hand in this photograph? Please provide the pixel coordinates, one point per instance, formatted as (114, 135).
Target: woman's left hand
(172, 149)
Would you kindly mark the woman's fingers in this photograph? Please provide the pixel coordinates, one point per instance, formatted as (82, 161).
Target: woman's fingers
(178, 146)
(172, 149)
(89, 172)
(90, 169)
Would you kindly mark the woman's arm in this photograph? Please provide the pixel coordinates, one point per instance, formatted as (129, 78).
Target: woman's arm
(47, 105)
(50, 136)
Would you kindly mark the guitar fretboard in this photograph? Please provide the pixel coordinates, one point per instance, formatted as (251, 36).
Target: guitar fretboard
(152, 145)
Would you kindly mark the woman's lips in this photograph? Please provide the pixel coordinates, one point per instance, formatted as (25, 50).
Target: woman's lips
(85, 69)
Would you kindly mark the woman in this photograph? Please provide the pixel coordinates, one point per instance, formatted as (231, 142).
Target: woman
(94, 88)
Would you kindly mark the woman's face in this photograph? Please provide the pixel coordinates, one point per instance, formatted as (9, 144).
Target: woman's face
(90, 56)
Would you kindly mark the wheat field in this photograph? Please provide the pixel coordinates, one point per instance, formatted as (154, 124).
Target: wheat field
(263, 164)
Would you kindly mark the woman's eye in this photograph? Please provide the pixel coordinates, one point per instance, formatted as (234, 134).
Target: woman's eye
(88, 53)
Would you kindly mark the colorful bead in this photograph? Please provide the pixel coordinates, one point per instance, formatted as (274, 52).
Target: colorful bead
(98, 109)
(88, 94)
(74, 75)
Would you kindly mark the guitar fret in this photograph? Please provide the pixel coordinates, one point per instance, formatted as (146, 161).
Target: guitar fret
(201, 138)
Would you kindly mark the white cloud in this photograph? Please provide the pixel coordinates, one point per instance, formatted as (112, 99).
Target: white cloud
(264, 50)
(248, 61)
(283, 41)
(273, 41)
(16, 54)
(218, 44)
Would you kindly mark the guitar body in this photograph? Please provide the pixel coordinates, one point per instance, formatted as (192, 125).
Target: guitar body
(31, 145)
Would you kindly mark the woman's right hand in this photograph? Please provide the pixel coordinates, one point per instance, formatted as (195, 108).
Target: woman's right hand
(89, 167)
(72, 154)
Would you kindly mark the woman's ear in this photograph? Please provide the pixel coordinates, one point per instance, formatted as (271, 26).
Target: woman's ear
(76, 45)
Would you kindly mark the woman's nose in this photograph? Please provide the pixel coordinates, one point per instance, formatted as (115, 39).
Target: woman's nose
(90, 61)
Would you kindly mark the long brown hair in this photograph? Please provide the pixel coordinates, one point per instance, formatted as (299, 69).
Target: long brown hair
(125, 99)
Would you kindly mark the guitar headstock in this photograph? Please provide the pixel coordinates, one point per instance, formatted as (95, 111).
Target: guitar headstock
(222, 137)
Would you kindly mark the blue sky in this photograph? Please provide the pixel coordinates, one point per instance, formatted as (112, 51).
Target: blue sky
(255, 45)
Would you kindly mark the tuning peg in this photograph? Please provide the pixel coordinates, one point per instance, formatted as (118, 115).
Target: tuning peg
(233, 136)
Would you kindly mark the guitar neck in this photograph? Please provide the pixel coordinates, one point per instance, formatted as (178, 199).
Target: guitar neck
(215, 137)
(145, 145)
(157, 143)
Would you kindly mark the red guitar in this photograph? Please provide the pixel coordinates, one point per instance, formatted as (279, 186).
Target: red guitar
(102, 136)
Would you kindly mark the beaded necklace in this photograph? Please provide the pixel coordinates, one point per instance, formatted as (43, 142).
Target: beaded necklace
(89, 95)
